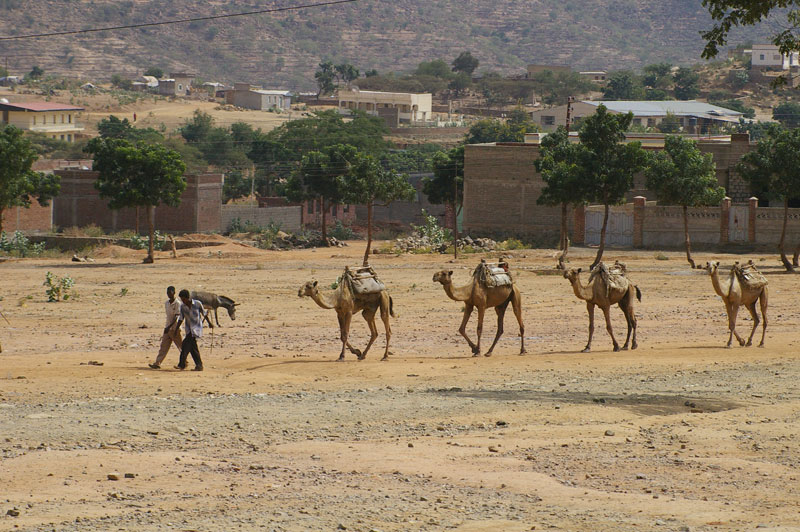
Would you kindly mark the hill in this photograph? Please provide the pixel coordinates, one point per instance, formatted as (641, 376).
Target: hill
(283, 49)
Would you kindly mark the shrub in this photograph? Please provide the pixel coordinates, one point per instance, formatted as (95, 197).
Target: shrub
(341, 231)
(58, 288)
(19, 245)
(436, 234)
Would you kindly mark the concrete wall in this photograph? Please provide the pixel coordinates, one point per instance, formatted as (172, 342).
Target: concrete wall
(79, 204)
(289, 218)
(663, 226)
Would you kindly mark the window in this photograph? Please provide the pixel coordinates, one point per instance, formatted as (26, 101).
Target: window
(62, 137)
(69, 119)
(761, 56)
(548, 120)
(347, 208)
(637, 121)
(651, 122)
(776, 57)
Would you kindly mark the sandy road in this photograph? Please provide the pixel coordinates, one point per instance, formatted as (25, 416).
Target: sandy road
(681, 434)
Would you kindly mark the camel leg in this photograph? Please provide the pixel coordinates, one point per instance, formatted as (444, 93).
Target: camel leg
(344, 329)
(626, 305)
(752, 308)
(516, 305)
(763, 300)
(369, 316)
(607, 314)
(733, 311)
(501, 312)
(590, 310)
(386, 325)
(481, 313)
(463, 329)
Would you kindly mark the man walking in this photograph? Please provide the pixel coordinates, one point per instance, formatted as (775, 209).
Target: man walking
(193, 313)
(172, 331)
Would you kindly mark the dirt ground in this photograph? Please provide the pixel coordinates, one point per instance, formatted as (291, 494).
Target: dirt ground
(681, 434)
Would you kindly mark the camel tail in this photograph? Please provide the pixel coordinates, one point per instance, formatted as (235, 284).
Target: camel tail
(391, 307)
(638, 294)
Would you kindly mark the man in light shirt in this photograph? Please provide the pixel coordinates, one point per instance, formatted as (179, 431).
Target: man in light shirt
(193, 313)
(172, 331)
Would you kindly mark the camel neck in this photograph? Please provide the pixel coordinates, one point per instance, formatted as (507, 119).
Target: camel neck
(322, 300)
(463, 293)
(581, 292)
(718, 286)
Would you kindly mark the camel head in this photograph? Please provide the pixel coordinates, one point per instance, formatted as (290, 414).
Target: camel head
(444, 277)
(572, 273)
(711, 267)
(308, 290)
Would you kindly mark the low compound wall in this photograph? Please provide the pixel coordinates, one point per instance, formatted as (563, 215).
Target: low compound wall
(289, 218)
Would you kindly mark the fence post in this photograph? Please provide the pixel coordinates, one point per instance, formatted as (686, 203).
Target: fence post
(724, 220)
(579, 231)
(639, 203)
(751, 219)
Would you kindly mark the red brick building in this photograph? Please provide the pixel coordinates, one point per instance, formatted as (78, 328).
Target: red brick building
(79, 204)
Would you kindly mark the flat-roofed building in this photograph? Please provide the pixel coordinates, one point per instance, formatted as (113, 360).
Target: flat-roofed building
(410, 107)
(56, 120)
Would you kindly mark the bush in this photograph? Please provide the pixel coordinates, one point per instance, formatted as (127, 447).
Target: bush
(58, 288)
(19, 245)
(511, 244)
(341, 231)
(142, 242)
(436, 234)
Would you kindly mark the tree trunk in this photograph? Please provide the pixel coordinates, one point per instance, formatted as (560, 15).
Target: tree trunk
(796, 256)
(369, 233)
(136, 224)
(1, 218)
(324, 222)
(455, 232)
(784, 260)
(151, 222)
(602, 237)
(686, 236)
(563, 244)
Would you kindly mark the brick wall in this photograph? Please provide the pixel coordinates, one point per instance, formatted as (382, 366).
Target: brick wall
(79, 204)
(289, 218)
(34, 219)
(405, 212)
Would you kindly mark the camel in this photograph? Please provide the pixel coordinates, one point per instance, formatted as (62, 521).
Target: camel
(597, 293)
(475, 295)
(735, 294)
(346, 303)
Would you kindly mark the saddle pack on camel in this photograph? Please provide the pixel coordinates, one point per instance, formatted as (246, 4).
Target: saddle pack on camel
(749, 276)
(615, 276)
(492, 274)
(363, 280)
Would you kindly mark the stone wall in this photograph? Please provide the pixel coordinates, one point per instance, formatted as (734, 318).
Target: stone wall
(288, 218)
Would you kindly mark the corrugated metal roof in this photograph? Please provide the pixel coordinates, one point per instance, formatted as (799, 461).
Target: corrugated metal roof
(675, 107)
(272, 92)
(38, 106)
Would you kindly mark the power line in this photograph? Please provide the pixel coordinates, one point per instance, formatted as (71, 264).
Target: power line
(166, 22)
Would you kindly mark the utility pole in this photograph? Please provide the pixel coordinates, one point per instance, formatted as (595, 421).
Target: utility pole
(570, 101)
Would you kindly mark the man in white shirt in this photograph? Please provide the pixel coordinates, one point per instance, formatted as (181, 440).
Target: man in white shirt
(193, 313)
(172, 332)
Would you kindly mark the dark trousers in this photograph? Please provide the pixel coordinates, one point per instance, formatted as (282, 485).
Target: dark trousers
(189, 345)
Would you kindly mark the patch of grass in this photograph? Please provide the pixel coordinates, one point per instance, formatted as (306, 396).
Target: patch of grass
(661, 256)
(511, 244)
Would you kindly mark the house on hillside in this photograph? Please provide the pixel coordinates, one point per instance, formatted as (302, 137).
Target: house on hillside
(56, 120)
(145, 84)
(532, 70)
(769, 57)
(694, 116)
(178, 84)
(596, 76)
(393, 106)
(252, 97)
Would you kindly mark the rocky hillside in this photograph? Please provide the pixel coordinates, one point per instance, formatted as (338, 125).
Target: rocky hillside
(283, 49)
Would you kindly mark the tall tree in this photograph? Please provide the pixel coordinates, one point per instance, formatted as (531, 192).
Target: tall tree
(460, 83)
(154, 71)
(787, 113)
(437, 68)
(346, 72)
(447, 185)
(607, 164)
(623, 85)
(465, 63)
(325, 77)
(686, 81)
(558, 164)
(368, 183)
(144, 175)
(683, 175)
(18, 183)
(774, 167)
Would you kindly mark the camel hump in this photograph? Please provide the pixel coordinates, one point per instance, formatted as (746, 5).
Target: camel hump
(749, 276)
(363, 280)
(493, 274)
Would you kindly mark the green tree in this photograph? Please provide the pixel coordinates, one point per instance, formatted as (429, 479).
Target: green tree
(154, 71)
(114, 128)
(493, 130)
(787, 113)
(465, 63)
(368, 183)
(144, 175)
(558, 165)
(670, 124)
(121, 83)
(325, 77)
(555, 88)
(686, 81)
(774, 167)
(460, 83)
(657, 76)
(447, 185)
(235, 186)
(437, 68)
(18, 183)
(607, 164)
(623, 85)
(320, 176)
(36, 73)
(198, 127)
(683, 175)
(346, 72)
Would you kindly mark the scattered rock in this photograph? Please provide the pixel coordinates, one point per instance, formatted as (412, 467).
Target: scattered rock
(609, 432)
(130, 475)
(113, 476)
(493, 449)
(501, 423)
(13, 512)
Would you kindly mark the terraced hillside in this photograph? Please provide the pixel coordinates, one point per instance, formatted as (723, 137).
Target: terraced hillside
(284, 49)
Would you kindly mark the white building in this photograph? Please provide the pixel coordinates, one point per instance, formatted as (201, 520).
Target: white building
(768, 56)
(250, 97)
(410, 107)
(56, 120)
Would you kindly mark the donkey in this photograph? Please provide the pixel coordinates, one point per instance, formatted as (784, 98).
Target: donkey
(213, 301)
